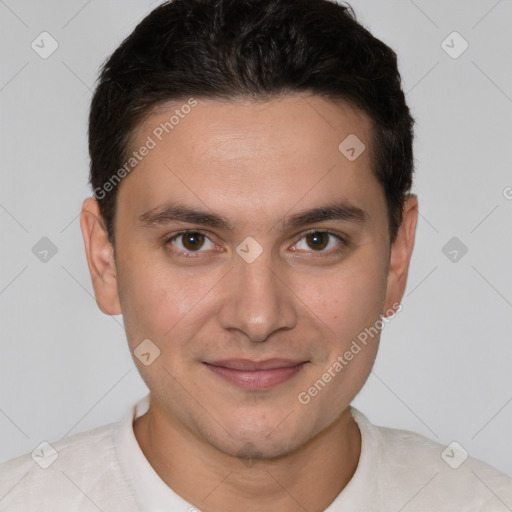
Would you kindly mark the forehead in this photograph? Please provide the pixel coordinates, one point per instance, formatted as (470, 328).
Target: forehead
(300, 119)
(269, 155)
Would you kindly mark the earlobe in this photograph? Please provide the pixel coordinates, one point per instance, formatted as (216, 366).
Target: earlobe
(401, 252)
(100, 258)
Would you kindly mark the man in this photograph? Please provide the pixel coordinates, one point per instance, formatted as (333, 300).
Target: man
(251, 162)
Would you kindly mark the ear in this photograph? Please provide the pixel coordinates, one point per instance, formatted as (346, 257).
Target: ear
(400, 256)
(100, 258)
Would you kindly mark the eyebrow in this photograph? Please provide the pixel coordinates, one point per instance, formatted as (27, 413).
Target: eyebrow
(171, 212)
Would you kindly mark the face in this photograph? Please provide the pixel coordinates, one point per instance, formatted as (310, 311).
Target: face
(252, 253)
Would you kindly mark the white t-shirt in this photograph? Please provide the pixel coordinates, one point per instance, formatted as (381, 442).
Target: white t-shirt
(104, 469)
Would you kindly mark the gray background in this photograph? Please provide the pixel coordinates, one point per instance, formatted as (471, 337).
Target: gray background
(444, 365)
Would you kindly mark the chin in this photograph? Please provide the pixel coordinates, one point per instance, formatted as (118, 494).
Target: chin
(250, 451)
(251, 441)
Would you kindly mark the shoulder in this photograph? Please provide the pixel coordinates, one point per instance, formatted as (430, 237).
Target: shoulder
(430, 476)
(75, 469)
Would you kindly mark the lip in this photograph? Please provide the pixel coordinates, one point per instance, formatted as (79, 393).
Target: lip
(255, 375)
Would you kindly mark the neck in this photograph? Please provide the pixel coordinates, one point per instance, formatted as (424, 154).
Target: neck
(308, 479)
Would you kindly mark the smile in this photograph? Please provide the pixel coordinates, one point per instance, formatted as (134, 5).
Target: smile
(253, 375)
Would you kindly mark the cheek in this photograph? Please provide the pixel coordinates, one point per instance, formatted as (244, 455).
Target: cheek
(161, 303)
(349, 299)
(147, 298)
(349, 305)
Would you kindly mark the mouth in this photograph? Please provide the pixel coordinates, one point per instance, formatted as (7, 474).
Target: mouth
(256, 375)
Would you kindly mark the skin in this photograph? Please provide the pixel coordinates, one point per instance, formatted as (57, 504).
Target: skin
(221, 447)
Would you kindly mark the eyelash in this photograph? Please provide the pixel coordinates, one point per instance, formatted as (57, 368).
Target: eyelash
(197, 254)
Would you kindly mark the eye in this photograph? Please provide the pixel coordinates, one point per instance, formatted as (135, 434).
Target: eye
(190, 241)
(319, 241)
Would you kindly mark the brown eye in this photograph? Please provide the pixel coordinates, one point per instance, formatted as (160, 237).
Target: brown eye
(192, 241)
(323, 242)
(318, 240)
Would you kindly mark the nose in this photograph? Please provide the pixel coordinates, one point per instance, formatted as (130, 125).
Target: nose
(257, 301)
